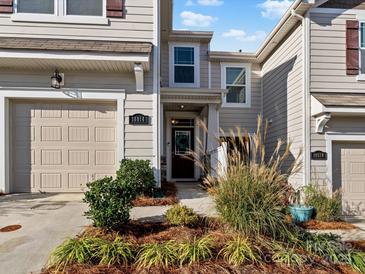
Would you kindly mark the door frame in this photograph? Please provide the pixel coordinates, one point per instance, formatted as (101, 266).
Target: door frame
(330, 139)
(180, 115)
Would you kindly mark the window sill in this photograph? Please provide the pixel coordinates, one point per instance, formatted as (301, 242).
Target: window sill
(235, 105)
(360, 77)
(42, 18)
(182, 85)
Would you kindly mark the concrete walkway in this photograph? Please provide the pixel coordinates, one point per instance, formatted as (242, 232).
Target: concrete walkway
(189, 194)
(46, 221)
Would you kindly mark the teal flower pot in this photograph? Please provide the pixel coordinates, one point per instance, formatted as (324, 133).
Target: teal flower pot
(300, 213)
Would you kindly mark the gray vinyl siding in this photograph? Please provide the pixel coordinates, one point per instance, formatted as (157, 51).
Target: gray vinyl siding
(282, 84)
(165, 64)
(136, 26)
(245, 118)
(138, 139)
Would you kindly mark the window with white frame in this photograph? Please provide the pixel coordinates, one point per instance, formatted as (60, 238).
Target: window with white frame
(61, 7)
(184, 62)
(362, 47)
(236, 79)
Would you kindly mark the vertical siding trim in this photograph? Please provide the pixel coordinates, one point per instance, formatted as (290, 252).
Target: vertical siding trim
(306, 98)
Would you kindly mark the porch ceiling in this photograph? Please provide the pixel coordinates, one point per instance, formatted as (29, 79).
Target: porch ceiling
(192, 96)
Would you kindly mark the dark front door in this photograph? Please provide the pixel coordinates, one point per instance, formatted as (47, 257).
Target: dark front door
(182, 145)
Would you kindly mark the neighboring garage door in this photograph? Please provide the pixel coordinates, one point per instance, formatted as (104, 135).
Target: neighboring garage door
(349, 175)
(60, 146)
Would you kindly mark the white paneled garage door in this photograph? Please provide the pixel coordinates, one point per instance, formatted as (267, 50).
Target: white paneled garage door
(349, 175)
(60, 146)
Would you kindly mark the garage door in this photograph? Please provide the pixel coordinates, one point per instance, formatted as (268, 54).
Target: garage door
(60, 146)
(349, 174)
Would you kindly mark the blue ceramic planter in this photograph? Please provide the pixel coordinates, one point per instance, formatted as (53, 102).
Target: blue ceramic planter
(301, 214)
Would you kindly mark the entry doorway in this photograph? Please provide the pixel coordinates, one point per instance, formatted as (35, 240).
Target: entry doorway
(182, 130)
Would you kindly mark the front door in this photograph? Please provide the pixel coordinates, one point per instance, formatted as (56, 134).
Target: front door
(182, 145)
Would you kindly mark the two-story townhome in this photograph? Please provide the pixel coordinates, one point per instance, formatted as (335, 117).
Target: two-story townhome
(84, 84)
(72, 75)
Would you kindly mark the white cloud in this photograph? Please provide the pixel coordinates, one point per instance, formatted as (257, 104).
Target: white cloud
(192, 19)
(274, 9)
(242, 36)
(210, 2)
(205, 3)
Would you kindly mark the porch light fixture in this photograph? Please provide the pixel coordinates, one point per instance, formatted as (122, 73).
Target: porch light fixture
(56, 80)
(182, 107)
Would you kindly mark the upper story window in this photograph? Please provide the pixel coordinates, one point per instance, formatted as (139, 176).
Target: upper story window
(184, 65)
(61, 11)
(236, 79)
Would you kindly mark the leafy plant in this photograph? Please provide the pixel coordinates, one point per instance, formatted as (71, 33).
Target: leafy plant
(78, 250)
(252, 193)
(356, 260)
(139, 174)
(116, 252)
(239, 251)
(196, 251)
(109, 202)
(182, 215)
(327, 206)
(157, 255)
(287, 256)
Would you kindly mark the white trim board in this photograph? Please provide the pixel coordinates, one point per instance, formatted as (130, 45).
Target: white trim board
(330, 138)
(51, 94)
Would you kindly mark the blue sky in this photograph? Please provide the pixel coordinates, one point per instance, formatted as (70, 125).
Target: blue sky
(238, 24)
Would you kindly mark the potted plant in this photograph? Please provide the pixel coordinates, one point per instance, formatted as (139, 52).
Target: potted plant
(300, 211)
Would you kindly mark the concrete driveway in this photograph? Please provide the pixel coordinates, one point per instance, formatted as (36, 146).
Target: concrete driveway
(46, 221)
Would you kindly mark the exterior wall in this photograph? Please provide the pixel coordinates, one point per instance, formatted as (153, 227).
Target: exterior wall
(165, 63)
(282, 81)
(328, 74)
(138, 139)
(246, 118)
(137, 26)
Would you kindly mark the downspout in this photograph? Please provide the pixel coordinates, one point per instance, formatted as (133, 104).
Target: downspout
(306, 103)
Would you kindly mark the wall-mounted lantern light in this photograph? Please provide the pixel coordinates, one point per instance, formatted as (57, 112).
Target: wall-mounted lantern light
(57, 80)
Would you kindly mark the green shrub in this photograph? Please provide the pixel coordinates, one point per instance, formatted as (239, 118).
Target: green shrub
(71, 251)
(196, 251)
(182, 215)
(356, 260)
(239, 251)
(287, 256)
(116, 252)
(157, 255)
(327, 207)
(109, 202)
(137, 173)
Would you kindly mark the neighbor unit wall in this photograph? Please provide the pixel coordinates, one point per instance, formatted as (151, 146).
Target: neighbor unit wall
(282, 83)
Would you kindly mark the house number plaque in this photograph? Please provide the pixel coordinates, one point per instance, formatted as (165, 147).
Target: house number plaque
(319, 156)
(139, 119)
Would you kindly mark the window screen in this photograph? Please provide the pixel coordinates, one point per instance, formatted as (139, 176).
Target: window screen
(35, 6)
(184, 62)
(85, 7)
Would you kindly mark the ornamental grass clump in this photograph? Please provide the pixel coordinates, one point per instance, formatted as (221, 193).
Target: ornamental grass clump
(196, 250)
(160, 255)
(253, 191)
(117, 252)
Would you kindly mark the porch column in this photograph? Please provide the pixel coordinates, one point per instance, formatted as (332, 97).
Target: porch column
(213, 136)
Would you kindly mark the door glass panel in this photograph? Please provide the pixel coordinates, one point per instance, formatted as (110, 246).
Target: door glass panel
(182, 142)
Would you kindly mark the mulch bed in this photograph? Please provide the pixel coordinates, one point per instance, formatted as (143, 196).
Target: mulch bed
(319, 225)
(360, 245)
(169, 190)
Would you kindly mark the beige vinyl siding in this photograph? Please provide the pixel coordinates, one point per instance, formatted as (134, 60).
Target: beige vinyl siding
(282, 84)
(328, 54)
(138, 139)
(165, 63)
(246, 118)
(136, 26)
